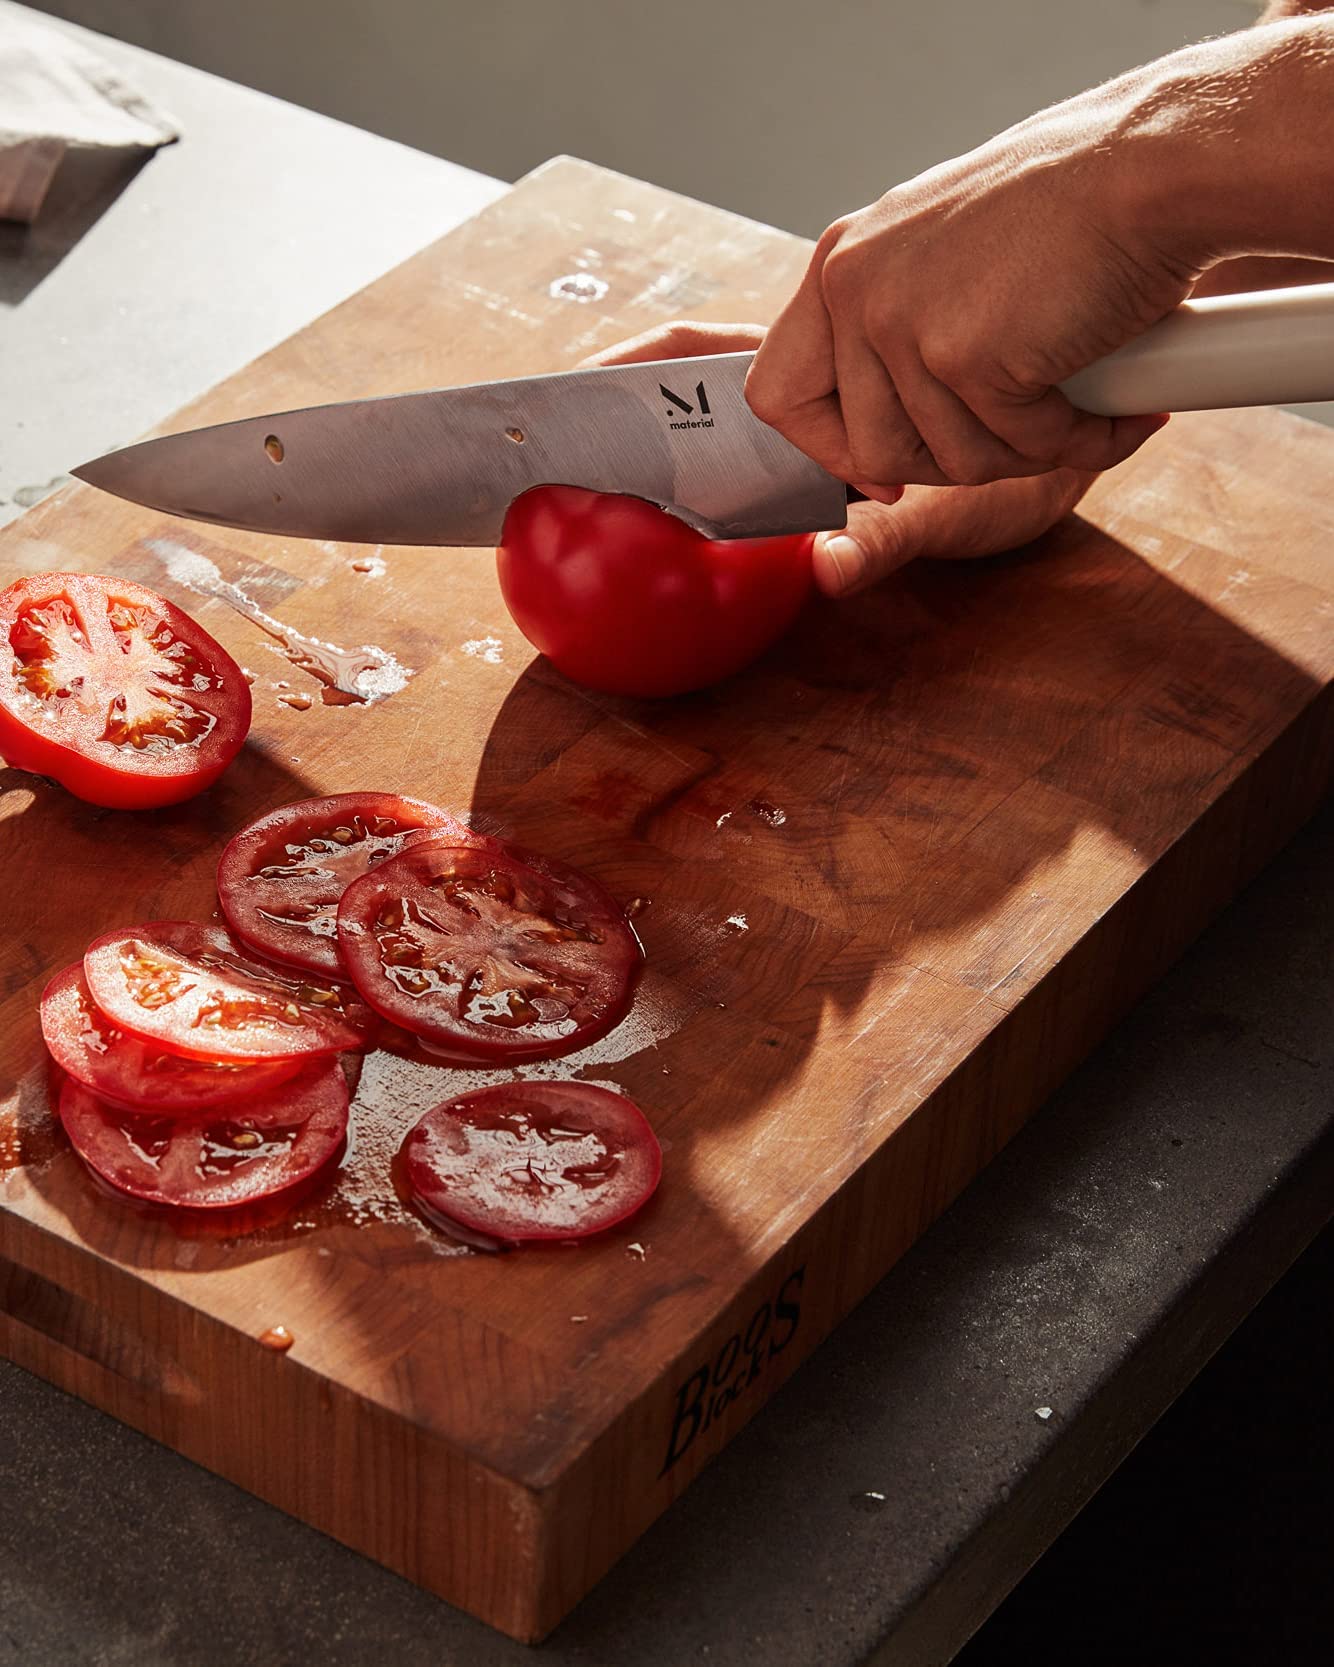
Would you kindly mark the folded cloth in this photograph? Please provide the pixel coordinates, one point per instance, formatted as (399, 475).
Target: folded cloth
(54, 94)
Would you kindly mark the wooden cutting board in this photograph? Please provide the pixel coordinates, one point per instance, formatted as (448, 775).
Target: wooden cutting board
(900, 878)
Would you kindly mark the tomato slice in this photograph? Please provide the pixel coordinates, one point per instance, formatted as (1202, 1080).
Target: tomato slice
(213, 1166)
(533, 1160)
(280, 879)
(490, 954)
(121, 1069)
(115, 692)
(190, 989)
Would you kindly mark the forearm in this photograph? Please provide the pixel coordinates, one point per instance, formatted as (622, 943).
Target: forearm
(1228, 147)
(1270, 271)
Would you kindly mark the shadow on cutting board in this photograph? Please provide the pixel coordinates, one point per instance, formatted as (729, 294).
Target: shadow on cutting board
(847, 862)
(855, 857)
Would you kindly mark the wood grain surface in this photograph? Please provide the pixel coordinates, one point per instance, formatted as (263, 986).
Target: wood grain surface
(898, 879)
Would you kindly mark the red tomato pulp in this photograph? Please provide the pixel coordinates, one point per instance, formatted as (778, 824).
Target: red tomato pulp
(533, 1160)
(114, 692)
(491, 954)
(281, 878)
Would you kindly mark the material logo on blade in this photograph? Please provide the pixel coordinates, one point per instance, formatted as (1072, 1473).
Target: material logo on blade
(682, 412)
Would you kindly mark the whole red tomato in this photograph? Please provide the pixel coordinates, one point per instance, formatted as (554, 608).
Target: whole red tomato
(623, 597)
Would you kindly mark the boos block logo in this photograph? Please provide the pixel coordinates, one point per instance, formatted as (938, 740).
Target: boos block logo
(682, 412)
(712, 1387)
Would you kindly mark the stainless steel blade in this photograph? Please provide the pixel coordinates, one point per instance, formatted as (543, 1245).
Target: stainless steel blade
(442, 467)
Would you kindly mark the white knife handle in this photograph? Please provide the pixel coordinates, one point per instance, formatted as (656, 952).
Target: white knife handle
(1270, 347)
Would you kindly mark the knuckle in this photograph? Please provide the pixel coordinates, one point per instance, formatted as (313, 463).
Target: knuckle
(1042, 448)
(960, 472)
(680, 337)
(840, 275)
(947, 359)
(963, 465)
(764, 399)
(833, 234)
(869, 462)
(889, 320)
(833, 285)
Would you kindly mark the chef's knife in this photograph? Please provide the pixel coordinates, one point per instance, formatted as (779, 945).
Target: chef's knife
(442, 467)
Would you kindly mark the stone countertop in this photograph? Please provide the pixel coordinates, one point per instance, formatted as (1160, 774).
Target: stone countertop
(883, 1503)
(141, 285)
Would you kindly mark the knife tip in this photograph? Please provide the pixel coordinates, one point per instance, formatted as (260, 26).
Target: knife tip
(95, 472)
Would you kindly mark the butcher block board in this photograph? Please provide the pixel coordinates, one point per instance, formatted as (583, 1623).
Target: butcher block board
(898, 879)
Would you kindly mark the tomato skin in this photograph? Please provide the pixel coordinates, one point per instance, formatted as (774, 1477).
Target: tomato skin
(623, 597)
(67, 735)
(533, 1161)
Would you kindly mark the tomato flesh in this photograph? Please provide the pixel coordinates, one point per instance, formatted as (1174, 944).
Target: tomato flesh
(624, 597)
(280, 879)
(489, 953)
(533, 1160)
(190, 989)
(121, 1069)
(216, 1165)
(114, 692)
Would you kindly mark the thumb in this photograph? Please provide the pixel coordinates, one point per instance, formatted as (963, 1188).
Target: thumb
(877, 539)
(943, 521)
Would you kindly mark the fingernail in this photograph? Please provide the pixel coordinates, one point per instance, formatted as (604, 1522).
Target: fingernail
(879, 494)
(848, 557)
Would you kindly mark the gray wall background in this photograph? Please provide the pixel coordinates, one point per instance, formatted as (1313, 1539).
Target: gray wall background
(789, 111)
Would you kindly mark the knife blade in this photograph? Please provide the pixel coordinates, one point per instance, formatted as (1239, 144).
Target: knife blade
(443, 466)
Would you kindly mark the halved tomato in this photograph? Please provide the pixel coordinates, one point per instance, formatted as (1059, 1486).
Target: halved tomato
(491, 954)
(191, 989)
(213, 1166)
(280, 879)
(115, 692)
(120, 1068)
(533, 1160)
